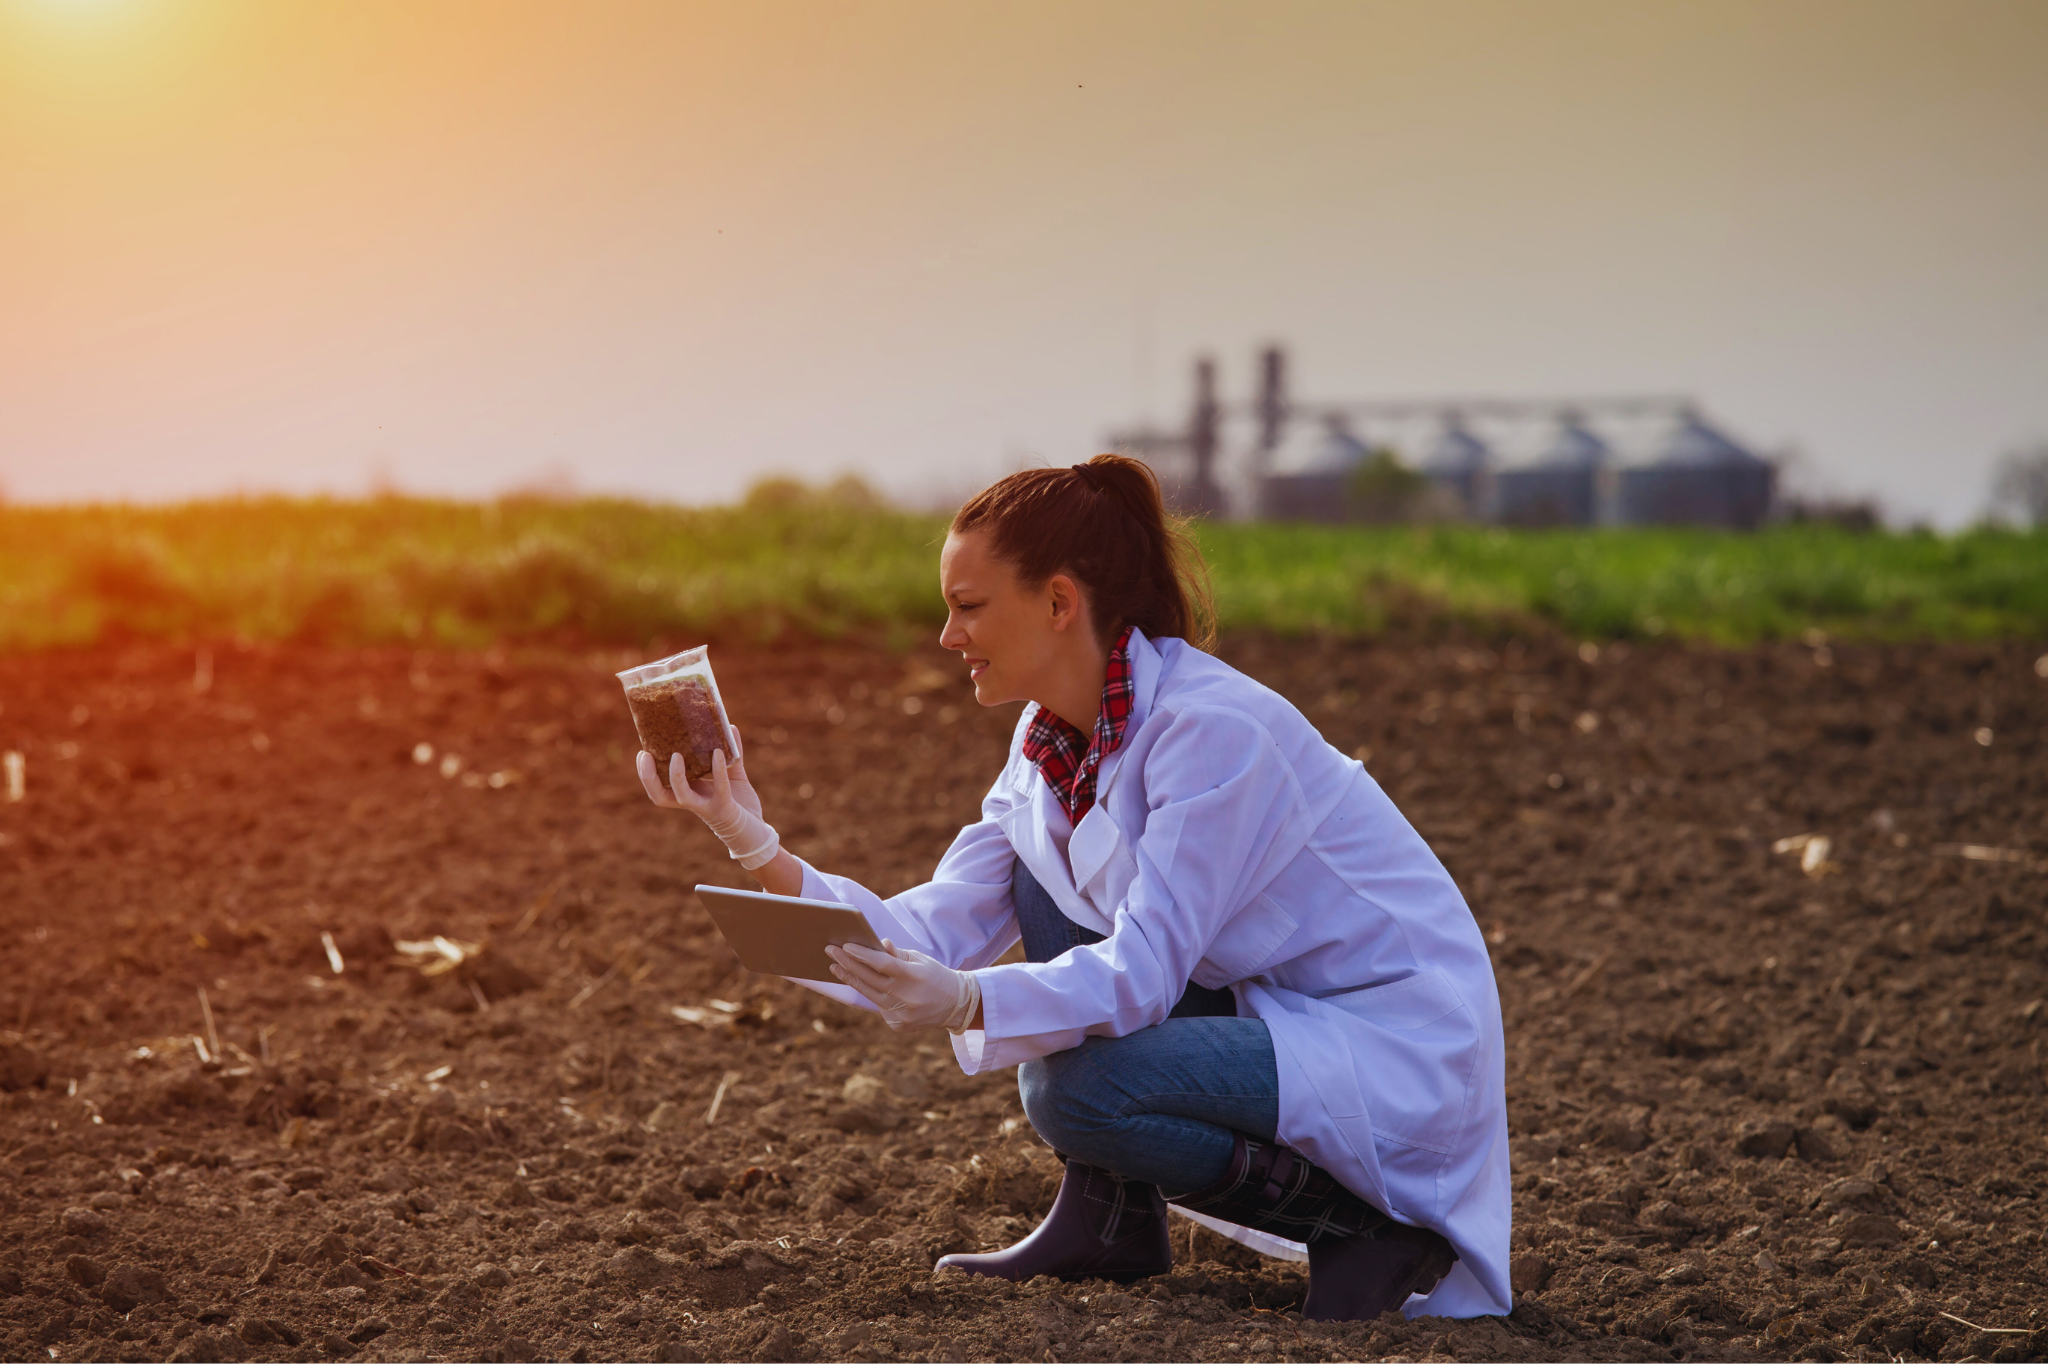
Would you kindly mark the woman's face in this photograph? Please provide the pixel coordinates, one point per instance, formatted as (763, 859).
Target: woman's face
(1015, 639)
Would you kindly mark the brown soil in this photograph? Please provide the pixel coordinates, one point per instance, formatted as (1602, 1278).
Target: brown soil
(678, 717)
(1757, 1113)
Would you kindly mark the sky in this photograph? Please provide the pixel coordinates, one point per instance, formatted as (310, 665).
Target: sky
(665, 249)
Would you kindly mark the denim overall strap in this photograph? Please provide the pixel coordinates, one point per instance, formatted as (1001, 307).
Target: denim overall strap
(1049, 934)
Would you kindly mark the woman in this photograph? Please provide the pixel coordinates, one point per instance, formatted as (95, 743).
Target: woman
(1250, 990)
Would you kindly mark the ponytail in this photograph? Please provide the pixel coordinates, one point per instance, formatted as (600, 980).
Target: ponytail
(1103, 523)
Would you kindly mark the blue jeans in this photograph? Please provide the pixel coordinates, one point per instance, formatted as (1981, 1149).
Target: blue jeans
(1161, 1105)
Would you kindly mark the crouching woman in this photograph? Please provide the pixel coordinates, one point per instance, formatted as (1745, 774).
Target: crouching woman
(1250, 989)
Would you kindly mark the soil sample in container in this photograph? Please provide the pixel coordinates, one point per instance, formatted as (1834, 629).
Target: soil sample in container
(676, 709)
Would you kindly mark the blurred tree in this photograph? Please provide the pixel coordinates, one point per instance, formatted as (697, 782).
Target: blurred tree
(851, 490)
(1850, 513)
(779, 492)
(553, 482)
(2019, 486)
(1383, 489)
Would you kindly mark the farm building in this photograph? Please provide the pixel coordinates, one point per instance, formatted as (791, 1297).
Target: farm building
(1702, 478)
(1517, 462)
(1309, 478)
(1563, 488)
(1462, 464)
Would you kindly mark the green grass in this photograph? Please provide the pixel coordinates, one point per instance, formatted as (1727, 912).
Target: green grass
(414, 570)
(1639, 583)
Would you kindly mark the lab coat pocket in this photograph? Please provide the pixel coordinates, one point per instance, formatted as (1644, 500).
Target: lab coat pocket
(1416, 1059)
(1403, 1005)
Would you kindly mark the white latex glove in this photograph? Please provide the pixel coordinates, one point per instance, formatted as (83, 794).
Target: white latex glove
(910, 989)
(727, 802)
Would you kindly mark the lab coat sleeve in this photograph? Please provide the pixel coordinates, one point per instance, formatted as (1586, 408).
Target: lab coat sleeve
(1225, 812)
(963, 916)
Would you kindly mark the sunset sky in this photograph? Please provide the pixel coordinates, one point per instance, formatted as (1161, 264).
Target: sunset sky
(666, 248)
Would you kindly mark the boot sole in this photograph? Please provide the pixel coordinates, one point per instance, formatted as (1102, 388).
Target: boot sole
(1128, 1276)
(1121, 1276)
(1426, 1274)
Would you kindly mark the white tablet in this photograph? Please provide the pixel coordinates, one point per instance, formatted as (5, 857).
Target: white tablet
(781, 935)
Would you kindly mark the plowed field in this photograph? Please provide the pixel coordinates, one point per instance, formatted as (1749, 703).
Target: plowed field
(1765, 1104)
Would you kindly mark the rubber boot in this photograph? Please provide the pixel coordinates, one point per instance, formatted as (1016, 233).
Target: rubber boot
(1358, 1277)
(1100, 1227)
(1361, 1262)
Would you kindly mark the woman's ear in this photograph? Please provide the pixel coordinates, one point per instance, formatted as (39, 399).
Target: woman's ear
(1063, 595)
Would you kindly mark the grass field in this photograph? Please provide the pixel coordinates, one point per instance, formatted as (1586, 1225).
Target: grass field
(407, 569)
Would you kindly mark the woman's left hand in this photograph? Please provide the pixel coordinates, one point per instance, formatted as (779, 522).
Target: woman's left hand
(911, 989)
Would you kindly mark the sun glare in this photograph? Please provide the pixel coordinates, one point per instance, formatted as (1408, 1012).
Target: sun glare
(97, 49)
(78, 16)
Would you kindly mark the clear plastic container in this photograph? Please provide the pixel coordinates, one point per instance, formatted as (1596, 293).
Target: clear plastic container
(677, 709)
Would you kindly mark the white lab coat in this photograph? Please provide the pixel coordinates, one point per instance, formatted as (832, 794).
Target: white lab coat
(1231, 846)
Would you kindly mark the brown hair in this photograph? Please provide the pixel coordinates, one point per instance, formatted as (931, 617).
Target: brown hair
(1103, 523)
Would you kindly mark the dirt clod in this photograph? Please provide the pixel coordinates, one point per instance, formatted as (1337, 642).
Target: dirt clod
(1866, 1229)
(128, 1286)
(1765, 1138)
(85, 1271)
(1529, 1272)
(21, 1066)
(369, 1330)
(209, 1345)
(639, 1266)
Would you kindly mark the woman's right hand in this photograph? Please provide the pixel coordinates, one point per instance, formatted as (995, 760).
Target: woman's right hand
(683, 794)
(727, 803)
(735, 774)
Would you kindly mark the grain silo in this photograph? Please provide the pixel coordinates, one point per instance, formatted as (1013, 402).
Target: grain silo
(1462, 464)
(1560, 489)
(1311, 474)
(1701, 478)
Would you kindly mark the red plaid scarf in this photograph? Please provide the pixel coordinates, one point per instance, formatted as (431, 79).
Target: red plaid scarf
(1068, 758)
